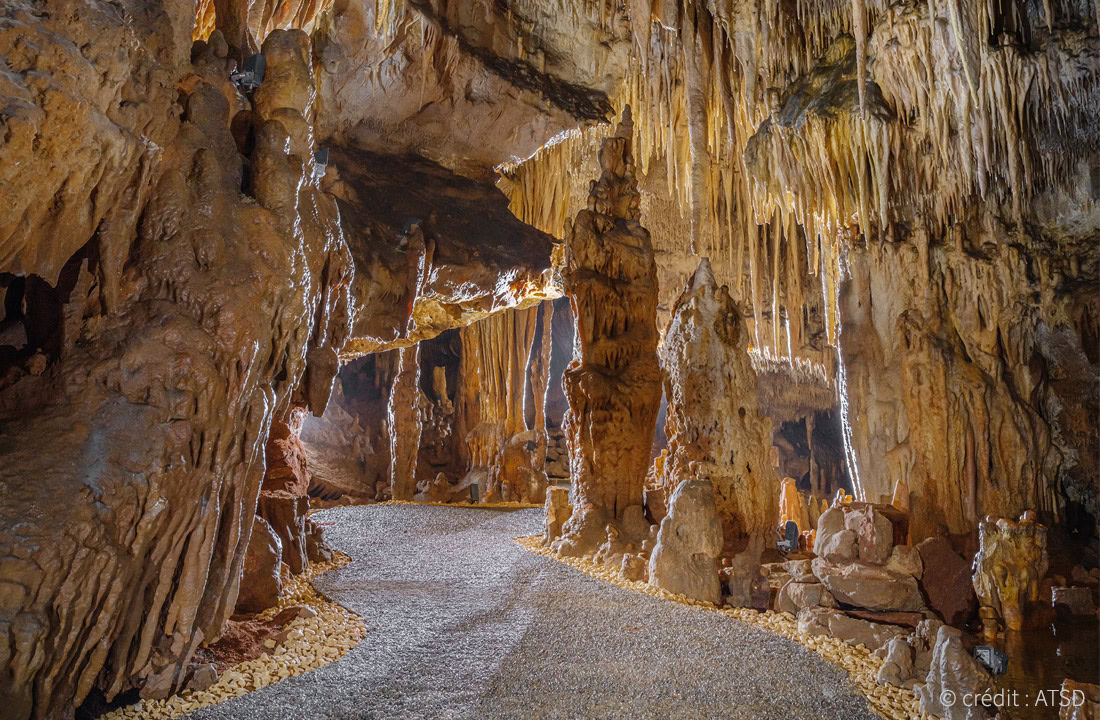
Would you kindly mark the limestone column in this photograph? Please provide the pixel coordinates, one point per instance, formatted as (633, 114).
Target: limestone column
(540, 379)
(613, 384)
(404, 418)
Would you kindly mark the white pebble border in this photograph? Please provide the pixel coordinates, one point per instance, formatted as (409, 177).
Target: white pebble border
(887, 701)
(511, 504)
(310, 644)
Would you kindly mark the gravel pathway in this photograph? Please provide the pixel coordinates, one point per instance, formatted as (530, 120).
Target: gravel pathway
(464, 623)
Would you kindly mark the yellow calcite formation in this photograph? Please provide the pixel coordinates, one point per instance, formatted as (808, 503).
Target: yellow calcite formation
(1009, 566)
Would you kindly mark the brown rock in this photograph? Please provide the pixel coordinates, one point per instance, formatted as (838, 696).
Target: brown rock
(317, 550)
(634, 567)
(261, 582)
(690, 539)
(946, 581)
(837, 624)
(743, 570)
(795, 596)
(202, 677)
(839, 547)
(614, 382)
(557, 512)
(286, 515)
(901, 619)
(875, 532)
(1010, 566)
(869, 586)
(294, 612)
(1079, 701)
(714, 418)
(905, 560)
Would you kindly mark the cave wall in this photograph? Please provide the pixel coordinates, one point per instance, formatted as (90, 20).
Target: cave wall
(135, 559)
(972, 380)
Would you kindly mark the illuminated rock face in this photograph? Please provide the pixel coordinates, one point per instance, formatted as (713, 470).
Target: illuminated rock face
(1009, 566)
(614, 382)
(714, 419)
(196, 318)
(684, 561)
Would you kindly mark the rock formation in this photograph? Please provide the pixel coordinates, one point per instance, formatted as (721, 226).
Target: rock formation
(684, 561)
(557, 512)
(613, 383)
(954, 674)
(1009, 566)
(166, 379)
(261, 578)
(405, 423)
(897, 203)
(714, 419)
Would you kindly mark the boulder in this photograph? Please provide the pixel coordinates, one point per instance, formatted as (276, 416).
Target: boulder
(946, 581)
(317, 550)
(875, 532)
(1082, 701)
(557, 512)
(897, 667)
(837, 624)
(656, 504)
(633, 567)
(905, 560)
(838, 547)
(634, 525)
(684, 560)
(801, 571)
(829, 523)
(869, 586)
(953, 674)
(743, 570)
(261, 582)
(795, 596)
(1080, 576)
(286, 514)
(202, 677)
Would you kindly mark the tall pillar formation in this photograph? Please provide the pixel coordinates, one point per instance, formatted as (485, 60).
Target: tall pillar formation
(613, 384)
(714, 421)
(404, 419)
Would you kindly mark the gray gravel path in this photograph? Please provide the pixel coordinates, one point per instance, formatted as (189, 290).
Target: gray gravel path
(464, 623)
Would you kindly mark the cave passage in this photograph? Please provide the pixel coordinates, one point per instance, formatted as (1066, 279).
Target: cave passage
(464, 623)
(549, 358)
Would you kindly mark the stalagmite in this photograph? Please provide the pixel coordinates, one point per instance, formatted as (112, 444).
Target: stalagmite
(714, 420)
(1008, 568)
(613, 384)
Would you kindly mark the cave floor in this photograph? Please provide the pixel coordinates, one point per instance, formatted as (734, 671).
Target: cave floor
(464, 623)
